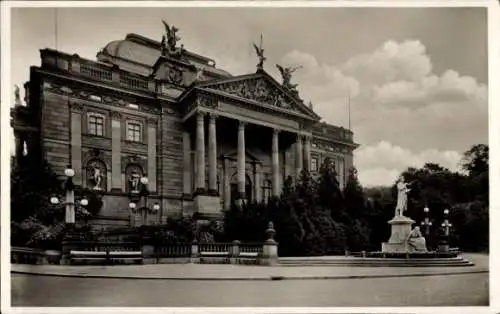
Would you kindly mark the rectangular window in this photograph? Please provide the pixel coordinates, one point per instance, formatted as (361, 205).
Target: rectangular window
(96, 124)
(314, 164)
(134, 132)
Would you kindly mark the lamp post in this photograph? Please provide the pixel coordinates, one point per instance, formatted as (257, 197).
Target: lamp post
(135, 197)
(446, 225)
(69, 201)
(426, 223)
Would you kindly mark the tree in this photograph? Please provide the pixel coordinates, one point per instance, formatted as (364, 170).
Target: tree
(354, 198)
(476, 159)
(32, 185)
(329, 193)
(34, 220)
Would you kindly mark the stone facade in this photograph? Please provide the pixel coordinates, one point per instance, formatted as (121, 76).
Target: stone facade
(203, 141)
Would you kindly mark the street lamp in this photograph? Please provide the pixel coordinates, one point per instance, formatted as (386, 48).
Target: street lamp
(426, 223)
(446, 225)
(69, 201)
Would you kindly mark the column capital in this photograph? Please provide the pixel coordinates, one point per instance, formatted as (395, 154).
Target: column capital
(76, 107)
(115, 115)
(200, 115)
(152, 121)
(241, 124)
(276, 131)
(213, 117)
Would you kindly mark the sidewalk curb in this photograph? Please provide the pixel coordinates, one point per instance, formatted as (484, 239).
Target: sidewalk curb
(266, 278)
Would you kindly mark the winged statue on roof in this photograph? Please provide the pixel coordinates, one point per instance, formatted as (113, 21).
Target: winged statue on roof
(286, 75)
(169, 44)
(260, 54)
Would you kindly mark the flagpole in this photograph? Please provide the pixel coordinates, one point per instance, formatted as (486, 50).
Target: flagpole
(55, 27)
(349, 109)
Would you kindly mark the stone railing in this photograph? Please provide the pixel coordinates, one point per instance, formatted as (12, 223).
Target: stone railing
(333, 132)
(235, 252)
(97, 71)
(24, 255)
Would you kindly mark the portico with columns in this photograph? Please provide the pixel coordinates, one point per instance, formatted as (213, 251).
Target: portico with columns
(239, 142)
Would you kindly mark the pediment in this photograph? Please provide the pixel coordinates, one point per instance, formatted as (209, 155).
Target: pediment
(263, 89)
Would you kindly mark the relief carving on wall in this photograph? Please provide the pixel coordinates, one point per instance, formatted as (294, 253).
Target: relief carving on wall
(175, 75)
(206, 101)
(258, 90)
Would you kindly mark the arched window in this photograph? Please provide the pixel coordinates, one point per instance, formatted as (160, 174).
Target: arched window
(133, 175)
(96, 175)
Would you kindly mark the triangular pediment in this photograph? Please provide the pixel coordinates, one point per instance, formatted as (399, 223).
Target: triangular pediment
(263, 89)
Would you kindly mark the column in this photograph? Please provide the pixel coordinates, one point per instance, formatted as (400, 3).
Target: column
(152, 154)
(227, 184)
(212, 155)
(70, 207)
(298, 157)
(241, 159)
(257, 182)
(186, 177)
(275, 164)
(116, 175)
(200, 152)
(307, 153)
(76, 142)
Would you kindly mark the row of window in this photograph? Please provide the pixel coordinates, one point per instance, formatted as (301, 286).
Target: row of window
(96, 126)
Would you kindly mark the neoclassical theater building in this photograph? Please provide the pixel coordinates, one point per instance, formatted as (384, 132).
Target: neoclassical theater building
(202, 136)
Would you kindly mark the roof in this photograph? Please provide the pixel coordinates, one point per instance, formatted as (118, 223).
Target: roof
(141, 50)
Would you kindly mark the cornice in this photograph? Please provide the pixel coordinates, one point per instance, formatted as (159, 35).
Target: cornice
(96, 84)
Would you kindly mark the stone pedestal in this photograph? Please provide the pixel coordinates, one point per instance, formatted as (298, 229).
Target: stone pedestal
(400, 229)
(207, 205)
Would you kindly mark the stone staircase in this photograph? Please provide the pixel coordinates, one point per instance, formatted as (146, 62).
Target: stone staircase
(374, 262)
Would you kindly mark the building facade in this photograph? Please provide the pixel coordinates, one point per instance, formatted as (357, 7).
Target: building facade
(203, 137)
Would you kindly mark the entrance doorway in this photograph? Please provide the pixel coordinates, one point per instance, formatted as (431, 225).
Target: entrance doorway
(234, 188)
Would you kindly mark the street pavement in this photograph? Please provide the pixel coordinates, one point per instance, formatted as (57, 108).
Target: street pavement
(249, 286)
(244, 272)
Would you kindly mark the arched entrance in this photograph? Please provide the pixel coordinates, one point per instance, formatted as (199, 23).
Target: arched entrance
(234, 188)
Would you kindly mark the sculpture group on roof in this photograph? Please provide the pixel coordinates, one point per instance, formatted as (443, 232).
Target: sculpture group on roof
(286, 75)
(169, 43)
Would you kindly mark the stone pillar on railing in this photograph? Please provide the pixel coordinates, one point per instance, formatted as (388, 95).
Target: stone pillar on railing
(195, 254)
(235, 252)
(148, 252)
(75, 65)
(67, 247)
(270, 247)
(115, 75)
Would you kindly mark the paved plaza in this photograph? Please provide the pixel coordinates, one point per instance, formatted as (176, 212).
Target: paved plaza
(215, 285)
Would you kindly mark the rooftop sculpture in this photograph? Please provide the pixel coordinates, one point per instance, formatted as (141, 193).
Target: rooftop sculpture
(260, 53)
(286, 75)
(169, 43)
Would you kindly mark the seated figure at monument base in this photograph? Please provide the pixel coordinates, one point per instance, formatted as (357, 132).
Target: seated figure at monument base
(416, 242)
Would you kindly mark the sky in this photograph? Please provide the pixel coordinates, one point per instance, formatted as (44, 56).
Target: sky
(416, 78)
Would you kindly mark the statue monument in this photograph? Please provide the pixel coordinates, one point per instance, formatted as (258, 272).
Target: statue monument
(259, 50)
(169, 42)
(286, 75)
(403, 239)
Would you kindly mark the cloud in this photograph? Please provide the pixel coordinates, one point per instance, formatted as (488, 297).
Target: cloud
(402, 113)
(381, 163)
